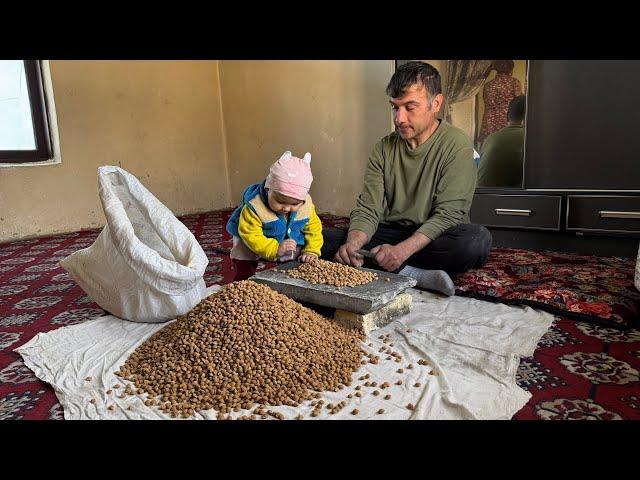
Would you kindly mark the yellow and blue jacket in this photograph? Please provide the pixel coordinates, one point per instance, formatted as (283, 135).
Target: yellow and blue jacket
(262, 230)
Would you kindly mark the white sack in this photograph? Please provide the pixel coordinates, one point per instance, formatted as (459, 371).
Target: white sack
(145, 266)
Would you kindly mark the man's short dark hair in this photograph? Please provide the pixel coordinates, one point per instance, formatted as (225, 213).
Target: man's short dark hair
(517, 108)
(412, 73)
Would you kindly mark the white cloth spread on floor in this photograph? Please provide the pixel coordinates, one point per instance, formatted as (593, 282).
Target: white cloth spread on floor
(473, 348)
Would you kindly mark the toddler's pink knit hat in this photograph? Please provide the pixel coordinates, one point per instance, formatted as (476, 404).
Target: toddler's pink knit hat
(291, 176)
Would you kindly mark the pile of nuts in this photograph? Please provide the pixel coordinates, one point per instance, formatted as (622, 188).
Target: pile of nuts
(331, 273)
(241, 347)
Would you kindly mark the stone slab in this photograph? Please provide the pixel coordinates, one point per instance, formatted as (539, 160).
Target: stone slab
(399, 306)
(361, 299)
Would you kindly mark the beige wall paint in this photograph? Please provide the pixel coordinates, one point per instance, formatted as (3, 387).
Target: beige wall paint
(197, 133)
(337, 110)
(160, 120)
(463, 116)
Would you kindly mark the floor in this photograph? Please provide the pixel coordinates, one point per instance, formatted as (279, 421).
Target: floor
(579, 370)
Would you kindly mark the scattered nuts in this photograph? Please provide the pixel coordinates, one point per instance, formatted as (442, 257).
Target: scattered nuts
(381, 411)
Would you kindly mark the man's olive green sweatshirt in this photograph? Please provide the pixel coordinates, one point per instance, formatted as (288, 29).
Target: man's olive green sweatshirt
(431, 186)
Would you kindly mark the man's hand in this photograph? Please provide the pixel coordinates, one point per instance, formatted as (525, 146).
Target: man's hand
(347, 253)
(286, 246)
(390, 257)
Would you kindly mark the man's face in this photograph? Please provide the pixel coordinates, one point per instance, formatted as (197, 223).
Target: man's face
(413, 113)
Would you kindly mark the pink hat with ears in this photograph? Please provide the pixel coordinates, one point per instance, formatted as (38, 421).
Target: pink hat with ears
(291, 176)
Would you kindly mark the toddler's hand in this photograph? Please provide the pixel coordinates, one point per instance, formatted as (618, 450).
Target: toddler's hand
(307, 258)
(286, 246)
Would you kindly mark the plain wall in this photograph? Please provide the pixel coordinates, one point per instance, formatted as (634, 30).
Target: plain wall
(159, 120)
(197, 133)
(336, 110)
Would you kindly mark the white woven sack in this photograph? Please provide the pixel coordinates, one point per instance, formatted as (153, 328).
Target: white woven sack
(145, 266)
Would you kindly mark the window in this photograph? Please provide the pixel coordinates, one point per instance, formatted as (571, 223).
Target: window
(24, 128)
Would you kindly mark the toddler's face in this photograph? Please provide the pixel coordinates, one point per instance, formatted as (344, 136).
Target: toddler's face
(283, 205)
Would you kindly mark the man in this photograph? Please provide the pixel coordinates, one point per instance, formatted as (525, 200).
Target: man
(502, 152)
(412, 213)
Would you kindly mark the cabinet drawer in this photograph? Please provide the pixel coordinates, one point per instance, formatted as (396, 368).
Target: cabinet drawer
(603, 213)
(540, 212)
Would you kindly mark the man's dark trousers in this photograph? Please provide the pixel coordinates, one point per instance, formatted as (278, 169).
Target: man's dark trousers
(455, 251)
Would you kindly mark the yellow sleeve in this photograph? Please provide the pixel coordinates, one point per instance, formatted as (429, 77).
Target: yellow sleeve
(250, 231)
(312, 232)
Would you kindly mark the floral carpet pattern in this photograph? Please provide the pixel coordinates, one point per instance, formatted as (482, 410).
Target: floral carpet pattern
(580, 370)
(582, 287)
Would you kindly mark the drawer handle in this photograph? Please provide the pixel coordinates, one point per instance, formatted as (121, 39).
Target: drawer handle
(509, 211)
(609, 214)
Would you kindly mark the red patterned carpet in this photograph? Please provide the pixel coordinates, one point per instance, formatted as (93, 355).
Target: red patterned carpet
(579, 371)
(583, 287)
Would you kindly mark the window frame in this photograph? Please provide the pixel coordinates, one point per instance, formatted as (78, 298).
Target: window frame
(40, 119)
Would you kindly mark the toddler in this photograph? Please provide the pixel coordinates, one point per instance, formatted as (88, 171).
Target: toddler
(277, 220)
